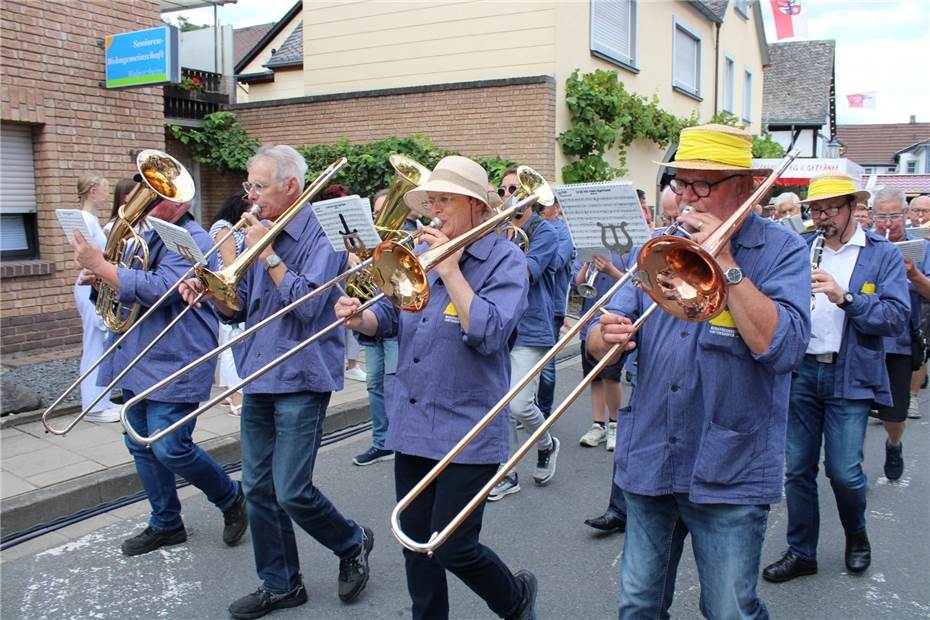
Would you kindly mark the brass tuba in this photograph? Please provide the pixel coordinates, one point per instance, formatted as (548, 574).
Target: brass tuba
(390, 220)
(161, 177)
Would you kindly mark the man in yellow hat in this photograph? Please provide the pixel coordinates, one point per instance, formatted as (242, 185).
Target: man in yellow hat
(860, 297)
(700, 450)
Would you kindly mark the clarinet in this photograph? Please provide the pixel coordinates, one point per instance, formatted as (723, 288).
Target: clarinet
(816, 257)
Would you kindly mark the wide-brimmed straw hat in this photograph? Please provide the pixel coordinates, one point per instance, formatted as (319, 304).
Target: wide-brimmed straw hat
(453, 175)
(833, 185)
(714, 147)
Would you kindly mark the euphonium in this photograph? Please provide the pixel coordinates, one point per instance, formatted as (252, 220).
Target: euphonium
(409, 174)
(161, 177)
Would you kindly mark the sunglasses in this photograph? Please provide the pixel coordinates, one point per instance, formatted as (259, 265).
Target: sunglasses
(503, 191)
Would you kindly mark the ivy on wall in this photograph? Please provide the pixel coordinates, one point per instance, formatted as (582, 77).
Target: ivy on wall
(224, 144)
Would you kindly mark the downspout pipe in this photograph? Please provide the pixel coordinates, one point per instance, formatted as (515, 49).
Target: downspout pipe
(716, 66)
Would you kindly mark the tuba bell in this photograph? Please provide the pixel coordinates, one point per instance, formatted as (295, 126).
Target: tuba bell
(161, 177)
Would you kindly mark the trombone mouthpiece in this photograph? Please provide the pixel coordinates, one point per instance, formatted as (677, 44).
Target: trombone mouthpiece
(255, 210)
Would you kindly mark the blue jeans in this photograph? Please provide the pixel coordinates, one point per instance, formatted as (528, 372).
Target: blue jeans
(176, 454)
(380, 360)
(281, 435)
(546, 393)
(814, 413)
(727, 543)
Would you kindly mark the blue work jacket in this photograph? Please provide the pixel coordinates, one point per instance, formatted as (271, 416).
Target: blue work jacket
(559, 274)
(901, 344)
(602, 282)
(193, 336)
(708, 416)
(535, 327)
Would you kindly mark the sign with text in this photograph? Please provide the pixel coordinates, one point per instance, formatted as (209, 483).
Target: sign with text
(603, 217)
(811, 167)
(347, 223)
(143, 57)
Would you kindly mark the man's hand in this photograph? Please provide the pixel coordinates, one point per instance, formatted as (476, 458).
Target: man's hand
(86, 254)
(190, 289)
(254, 231)
(605, 266)
(701, 224)
(613, 329)
(823, 282)
(347, 307)
(910, 268)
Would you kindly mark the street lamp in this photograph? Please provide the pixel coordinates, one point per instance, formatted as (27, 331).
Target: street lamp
(831, 150)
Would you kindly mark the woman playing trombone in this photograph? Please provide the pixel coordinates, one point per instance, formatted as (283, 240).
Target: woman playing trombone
(460, 340)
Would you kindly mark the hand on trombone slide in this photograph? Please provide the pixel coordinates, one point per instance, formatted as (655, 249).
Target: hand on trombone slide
(614, 329)
(365, 323)
(190, 291)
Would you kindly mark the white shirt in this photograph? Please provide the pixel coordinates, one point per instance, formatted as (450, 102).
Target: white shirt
(828, 319)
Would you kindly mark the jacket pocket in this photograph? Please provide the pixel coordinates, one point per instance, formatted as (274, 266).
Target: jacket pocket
(726, 456)
(866, 367)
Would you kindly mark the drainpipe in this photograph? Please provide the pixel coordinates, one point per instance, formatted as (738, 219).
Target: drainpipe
(717, 66)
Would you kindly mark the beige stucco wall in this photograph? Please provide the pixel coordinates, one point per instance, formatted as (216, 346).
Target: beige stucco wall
(284, 85)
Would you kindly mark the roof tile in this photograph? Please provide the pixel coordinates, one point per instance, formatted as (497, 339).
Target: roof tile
(797, 85)
(876, 145)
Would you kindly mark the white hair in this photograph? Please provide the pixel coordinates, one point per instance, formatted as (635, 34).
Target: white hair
(287, 162)
(888, 194)
(786, 197)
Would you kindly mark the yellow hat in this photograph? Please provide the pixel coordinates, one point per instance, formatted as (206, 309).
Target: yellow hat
(832, 185)
(714, 147)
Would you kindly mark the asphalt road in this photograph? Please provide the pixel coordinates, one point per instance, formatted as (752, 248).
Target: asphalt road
(539, 528)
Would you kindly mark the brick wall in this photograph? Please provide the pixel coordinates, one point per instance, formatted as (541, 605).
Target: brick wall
(52, 66)
(512, 118)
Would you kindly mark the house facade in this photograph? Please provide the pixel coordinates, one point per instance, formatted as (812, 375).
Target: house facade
(897, 153)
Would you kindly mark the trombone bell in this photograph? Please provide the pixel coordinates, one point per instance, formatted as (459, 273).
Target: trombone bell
(682, 278)
(398, 273)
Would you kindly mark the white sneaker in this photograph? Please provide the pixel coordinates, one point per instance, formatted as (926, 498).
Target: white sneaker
(594, 437)
(913, 409)
(356, 374)
(110, 414)
(611, 436)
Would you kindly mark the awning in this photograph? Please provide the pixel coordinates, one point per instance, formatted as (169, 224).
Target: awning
(167, 6)
(801, 171)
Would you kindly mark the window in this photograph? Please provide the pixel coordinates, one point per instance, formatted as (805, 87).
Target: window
(17, 193)
(686, 61)
(613, 31)
(729, 71)
(912, 166)
(747, 95)
(868, 170)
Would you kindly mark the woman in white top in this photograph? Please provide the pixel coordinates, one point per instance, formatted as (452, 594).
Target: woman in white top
(93, 193)
(229, 214)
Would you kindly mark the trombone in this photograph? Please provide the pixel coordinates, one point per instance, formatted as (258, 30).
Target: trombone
(223, 281)
(702, 292)
(401, 275)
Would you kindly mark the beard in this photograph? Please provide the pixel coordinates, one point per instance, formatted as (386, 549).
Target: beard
(830, 230)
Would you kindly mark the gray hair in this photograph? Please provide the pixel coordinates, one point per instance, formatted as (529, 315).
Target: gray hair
(785, 197)
(287, 162)
(888, 194)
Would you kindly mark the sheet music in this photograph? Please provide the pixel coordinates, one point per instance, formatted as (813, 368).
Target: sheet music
(346, 219)
(913, 249)
(177, 239)
(603, 217)
(71, 219)
(918, 231)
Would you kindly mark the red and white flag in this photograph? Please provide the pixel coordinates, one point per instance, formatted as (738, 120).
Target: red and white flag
(861, 100)
(788, 18)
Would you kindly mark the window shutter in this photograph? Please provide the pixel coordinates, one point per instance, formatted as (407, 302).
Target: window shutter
(611, 29)
(686, 55)
(17, 170)
(747, 96)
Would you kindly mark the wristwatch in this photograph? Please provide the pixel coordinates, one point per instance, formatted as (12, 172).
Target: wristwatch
(848, 298)
(733, 275)
(272, 261)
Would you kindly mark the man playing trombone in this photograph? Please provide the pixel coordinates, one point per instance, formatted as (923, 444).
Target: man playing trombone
(701, 449)
(453, 365)
(192, 337)
(283, 410)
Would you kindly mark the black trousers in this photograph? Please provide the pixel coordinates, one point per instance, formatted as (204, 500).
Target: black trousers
(478, 567)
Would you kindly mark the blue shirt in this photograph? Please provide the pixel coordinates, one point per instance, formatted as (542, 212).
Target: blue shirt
(901, 344)
(602, 282)
(193, 336)
(535, 328)
(448, 379)
(559, 275)
(708, 416)
(880, 308)
(310, 262)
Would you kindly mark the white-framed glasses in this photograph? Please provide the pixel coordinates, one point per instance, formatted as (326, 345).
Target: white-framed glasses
(256, 188)
(887, 217)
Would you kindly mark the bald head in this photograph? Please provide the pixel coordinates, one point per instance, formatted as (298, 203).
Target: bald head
(919, 210)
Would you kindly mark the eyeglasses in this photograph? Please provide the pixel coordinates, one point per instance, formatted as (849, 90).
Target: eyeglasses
(503, 191)
(701, 189)
(257, 188)
(888, 217)
(817, 213)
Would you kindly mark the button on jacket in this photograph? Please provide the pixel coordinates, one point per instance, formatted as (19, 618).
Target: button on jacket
(193, 336)
(448, 379)
(880, 308)
(708, 416)
(535, 327)
(310, 261)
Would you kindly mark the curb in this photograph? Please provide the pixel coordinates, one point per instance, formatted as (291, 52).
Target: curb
(24, 511)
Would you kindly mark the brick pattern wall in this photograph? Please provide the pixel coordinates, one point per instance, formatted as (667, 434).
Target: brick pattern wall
(510, 118)
(52, 66)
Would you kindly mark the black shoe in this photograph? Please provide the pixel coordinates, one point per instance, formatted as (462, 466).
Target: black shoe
(353, 573)
(858, 552)
(789, 567)
(527, 608)
(607, 523)
(373, 455)
(236, 520)
(263, 601)
(894, 461)
(151, 539)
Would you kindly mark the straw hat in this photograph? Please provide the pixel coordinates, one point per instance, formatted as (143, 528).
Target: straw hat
(452, 175)
(714, 147)
(832, 185)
